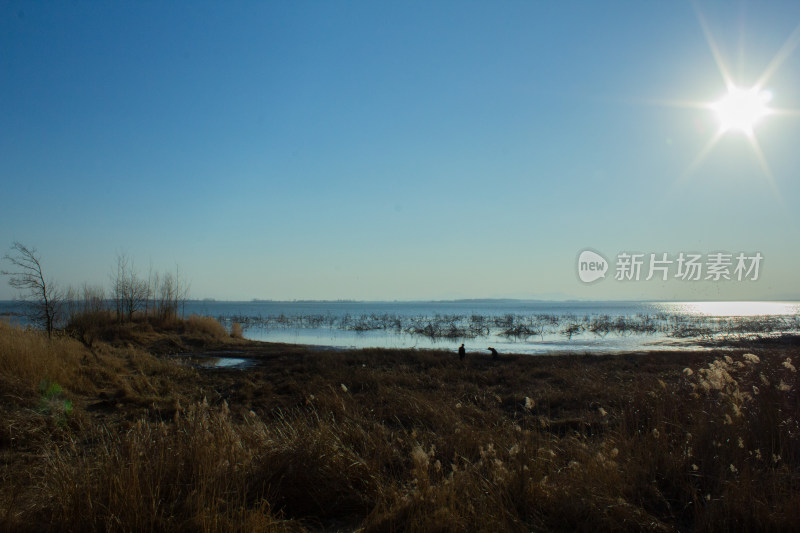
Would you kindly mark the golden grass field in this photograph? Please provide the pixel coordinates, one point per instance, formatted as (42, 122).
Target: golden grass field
(114, 434)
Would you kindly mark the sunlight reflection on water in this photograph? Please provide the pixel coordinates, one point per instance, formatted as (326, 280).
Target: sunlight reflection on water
(732, 308)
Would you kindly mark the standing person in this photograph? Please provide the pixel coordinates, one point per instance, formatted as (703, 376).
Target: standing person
(494, 352)
(462, 352)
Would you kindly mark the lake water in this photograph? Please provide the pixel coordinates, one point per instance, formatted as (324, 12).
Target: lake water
(510, 326)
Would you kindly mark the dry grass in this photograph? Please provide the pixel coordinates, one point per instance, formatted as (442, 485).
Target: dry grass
(27, 358)
(155, 333)
(185, 475)
(384, 440)
(206, 325)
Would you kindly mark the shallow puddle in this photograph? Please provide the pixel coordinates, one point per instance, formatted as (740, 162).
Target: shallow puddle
(213, 361)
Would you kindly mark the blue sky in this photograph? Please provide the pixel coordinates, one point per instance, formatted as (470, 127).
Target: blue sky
(415, 150)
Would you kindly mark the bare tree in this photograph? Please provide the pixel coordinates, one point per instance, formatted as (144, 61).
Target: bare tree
(159, 295)
(171, 294)
(166, 296)
(118, 280)
(130, 292)
(42, 295)
(88, 300)
(181, 291)
(152, 287)
(94, 298)
(72, 303)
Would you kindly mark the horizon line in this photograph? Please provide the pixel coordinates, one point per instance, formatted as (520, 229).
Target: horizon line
(464, 300)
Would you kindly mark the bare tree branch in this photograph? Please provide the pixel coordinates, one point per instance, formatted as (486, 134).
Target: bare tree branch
(130, 291)
(42, 295)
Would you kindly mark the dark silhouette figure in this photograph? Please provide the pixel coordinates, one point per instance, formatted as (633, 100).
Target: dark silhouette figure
(462, 352)
(494, 353)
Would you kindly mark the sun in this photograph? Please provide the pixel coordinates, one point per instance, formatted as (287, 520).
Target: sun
(741, 109)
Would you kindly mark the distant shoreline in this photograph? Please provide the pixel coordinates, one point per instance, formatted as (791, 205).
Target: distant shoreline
(492, 300)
